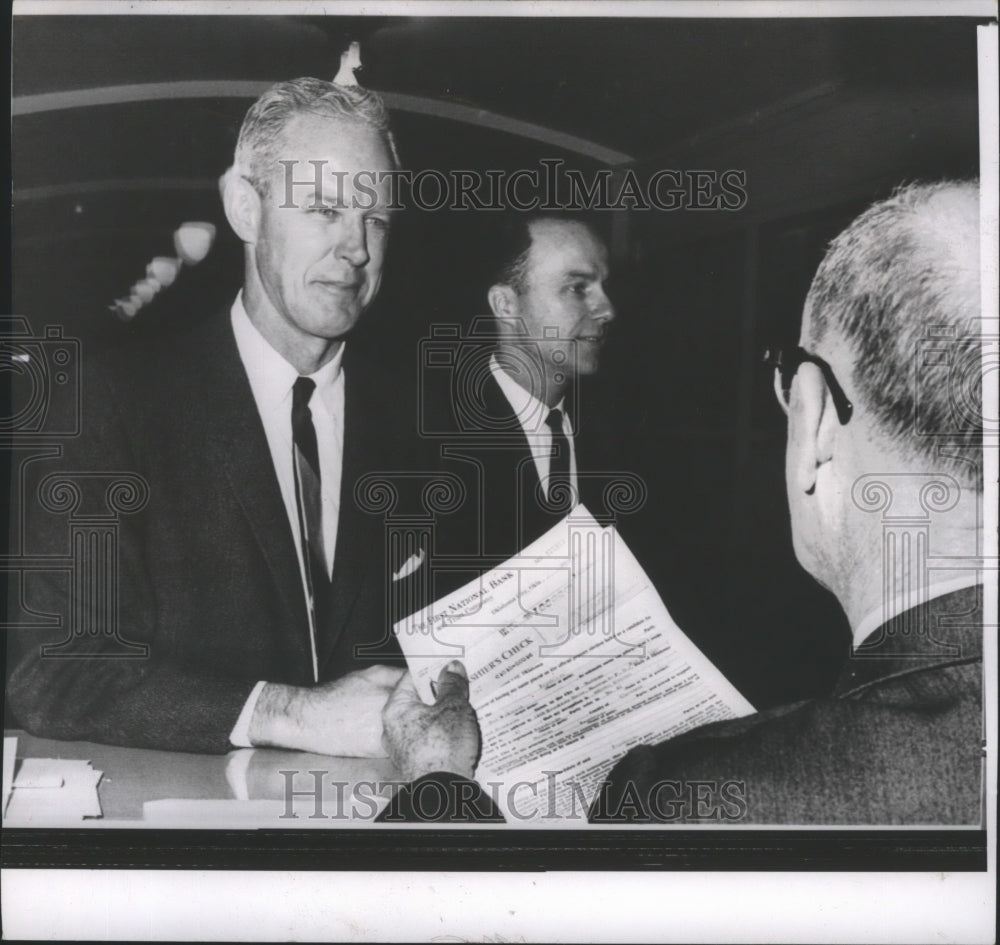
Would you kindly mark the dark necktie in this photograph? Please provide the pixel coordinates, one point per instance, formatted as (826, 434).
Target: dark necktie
(560, 497)
(309, 502)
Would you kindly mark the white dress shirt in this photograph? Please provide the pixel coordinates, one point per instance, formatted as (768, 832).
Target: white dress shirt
(271, 379)
(531, 413)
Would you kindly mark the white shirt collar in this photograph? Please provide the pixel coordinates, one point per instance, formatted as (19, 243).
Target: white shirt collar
(271, 376)
(904, 602)
(529, 410)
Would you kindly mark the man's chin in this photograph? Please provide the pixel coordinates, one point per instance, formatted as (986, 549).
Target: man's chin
(334, 324)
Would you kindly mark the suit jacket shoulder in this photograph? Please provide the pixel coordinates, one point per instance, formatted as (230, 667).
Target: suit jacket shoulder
(899, 745)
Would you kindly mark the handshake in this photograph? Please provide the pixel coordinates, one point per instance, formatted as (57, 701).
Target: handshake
(372, 713)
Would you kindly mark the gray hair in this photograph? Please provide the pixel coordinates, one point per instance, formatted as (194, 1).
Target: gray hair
(901, 279)
(260, 139)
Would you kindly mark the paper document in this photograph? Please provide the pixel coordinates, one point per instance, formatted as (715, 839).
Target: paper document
(53, 792)
(572, 659)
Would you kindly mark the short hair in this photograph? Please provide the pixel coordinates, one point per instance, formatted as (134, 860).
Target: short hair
(901, 279)
(260, 139)
(510, 244)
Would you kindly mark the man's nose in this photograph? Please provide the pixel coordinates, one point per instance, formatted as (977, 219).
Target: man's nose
(604, 309)
(353, 242)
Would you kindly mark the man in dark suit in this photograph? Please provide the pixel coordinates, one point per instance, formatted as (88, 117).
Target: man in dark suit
(884, 479)
(513, 402)
(243, 598)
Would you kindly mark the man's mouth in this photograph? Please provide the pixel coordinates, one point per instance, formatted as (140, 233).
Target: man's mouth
(340, 285)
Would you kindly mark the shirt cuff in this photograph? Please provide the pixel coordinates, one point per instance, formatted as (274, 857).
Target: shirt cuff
(236, 773)
(239, 737)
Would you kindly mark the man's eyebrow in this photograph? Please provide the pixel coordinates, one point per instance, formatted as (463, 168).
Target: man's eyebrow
(582, 274)
(316, 195)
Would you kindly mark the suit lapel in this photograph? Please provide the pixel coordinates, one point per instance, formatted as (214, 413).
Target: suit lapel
(591, 484)
(502, 414)
(592, 479)
(593, 463)
(357, 555)
(235, 442)
(518, 462)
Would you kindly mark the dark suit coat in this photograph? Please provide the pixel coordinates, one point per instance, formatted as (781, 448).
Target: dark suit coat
(208, 576)
(504, 509)
(899, 741)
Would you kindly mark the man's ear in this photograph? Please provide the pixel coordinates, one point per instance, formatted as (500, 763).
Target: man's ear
(813, 425)
(503, 302)
(242, 205)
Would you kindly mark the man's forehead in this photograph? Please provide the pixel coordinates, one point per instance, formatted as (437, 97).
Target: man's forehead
(333, 140)
(564, 244)
(331, 160)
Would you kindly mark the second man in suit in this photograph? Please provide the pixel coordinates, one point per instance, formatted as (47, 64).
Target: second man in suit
(514, 398)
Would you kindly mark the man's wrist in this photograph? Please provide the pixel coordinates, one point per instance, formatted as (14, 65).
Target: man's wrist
(273, 723)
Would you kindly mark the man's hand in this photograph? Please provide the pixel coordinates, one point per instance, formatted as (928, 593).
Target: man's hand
(343, 717)
(422, 739)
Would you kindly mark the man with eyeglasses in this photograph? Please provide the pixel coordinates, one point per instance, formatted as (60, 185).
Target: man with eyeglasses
(884, 477)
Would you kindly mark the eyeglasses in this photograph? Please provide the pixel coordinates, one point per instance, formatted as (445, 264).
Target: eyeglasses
(786, 362)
